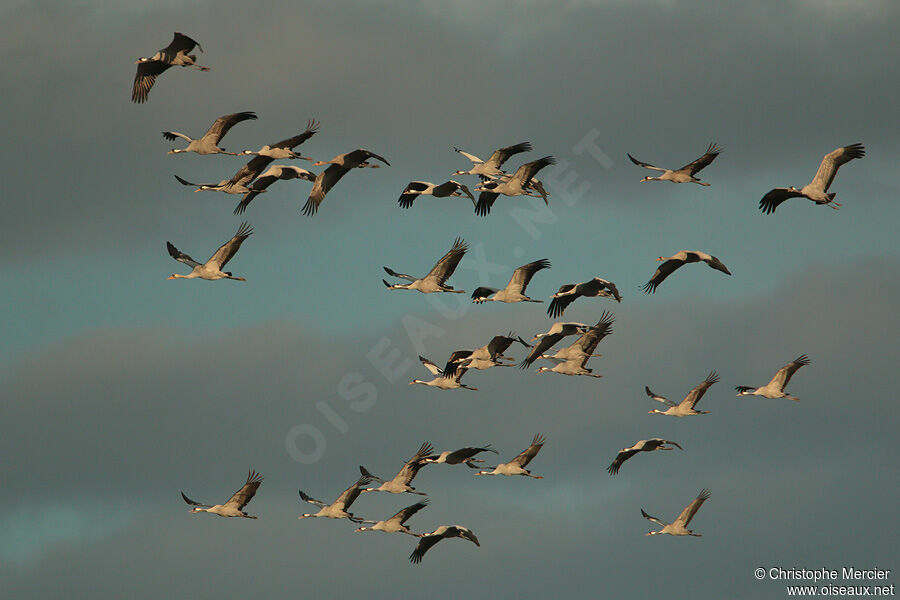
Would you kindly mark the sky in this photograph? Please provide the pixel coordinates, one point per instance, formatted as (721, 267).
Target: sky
(122, 388)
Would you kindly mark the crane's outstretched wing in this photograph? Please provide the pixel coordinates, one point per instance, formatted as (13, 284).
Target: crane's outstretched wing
(192, 503)
(775, 197)
(144, 78)
(501, 155)
(664, 270)
(181, 256)
(645, 165)
(696, 166)
(223, 124)
(311, 128)
(521, 277)
(323, 184)
(403, 514)
(691, 509)
(530, 452)
(832, 162)
(695, 394)
(652, 519)
(241, 497)
(227, 250)
(784, 374)
(448, 263)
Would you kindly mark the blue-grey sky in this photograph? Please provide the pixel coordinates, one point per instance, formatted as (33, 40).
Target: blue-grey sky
(123, 388)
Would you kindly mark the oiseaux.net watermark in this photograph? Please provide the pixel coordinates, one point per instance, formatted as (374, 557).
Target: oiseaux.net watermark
(845, 581)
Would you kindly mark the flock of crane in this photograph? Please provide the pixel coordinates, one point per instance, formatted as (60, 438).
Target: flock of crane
(259, 174)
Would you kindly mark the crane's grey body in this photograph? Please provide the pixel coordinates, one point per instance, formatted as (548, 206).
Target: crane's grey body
(490, 168)
(517, 465)
(448, 189)
(547, 340)
(678, 260)
(517, 184)
(573, 359)
(485, 357)
(447, 378)
(401, 481)
(685, 174)
(685, 407)
(650, 445)
(284, 149)
(212, 269)
(679, 525)
(339, 166)
(585, 345)
(209, 142)
(397, 523)
(775, 388)
(435, 280)
(443, 532)
(339, 509)
(235, 505)
(570, 292)
(173, 55)
(229, 186)
(462, 456)
(515, 289)
(817, 189)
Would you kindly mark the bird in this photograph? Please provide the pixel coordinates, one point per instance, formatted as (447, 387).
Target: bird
(572, 359)
(427, 540)
(340, 166)
(396, 524)
(209, 142)
(485, 357)
(641, 446)
(686, 173)
(445, 190)
(570, 292)
(272, 174)
(462, 456)
(443, 379)
(679, 525)
(515, 289)
(234, 507)
(517, 465)
(436, 279)
(339, 508)
(677, 260)
(229, 186)
(686, 406)
(775, 388)
(285, 148)
(400, 482)
(817, 189)
(173, 55)
(490, 168)
(547, 340)
(516, 185)
(212, 269)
